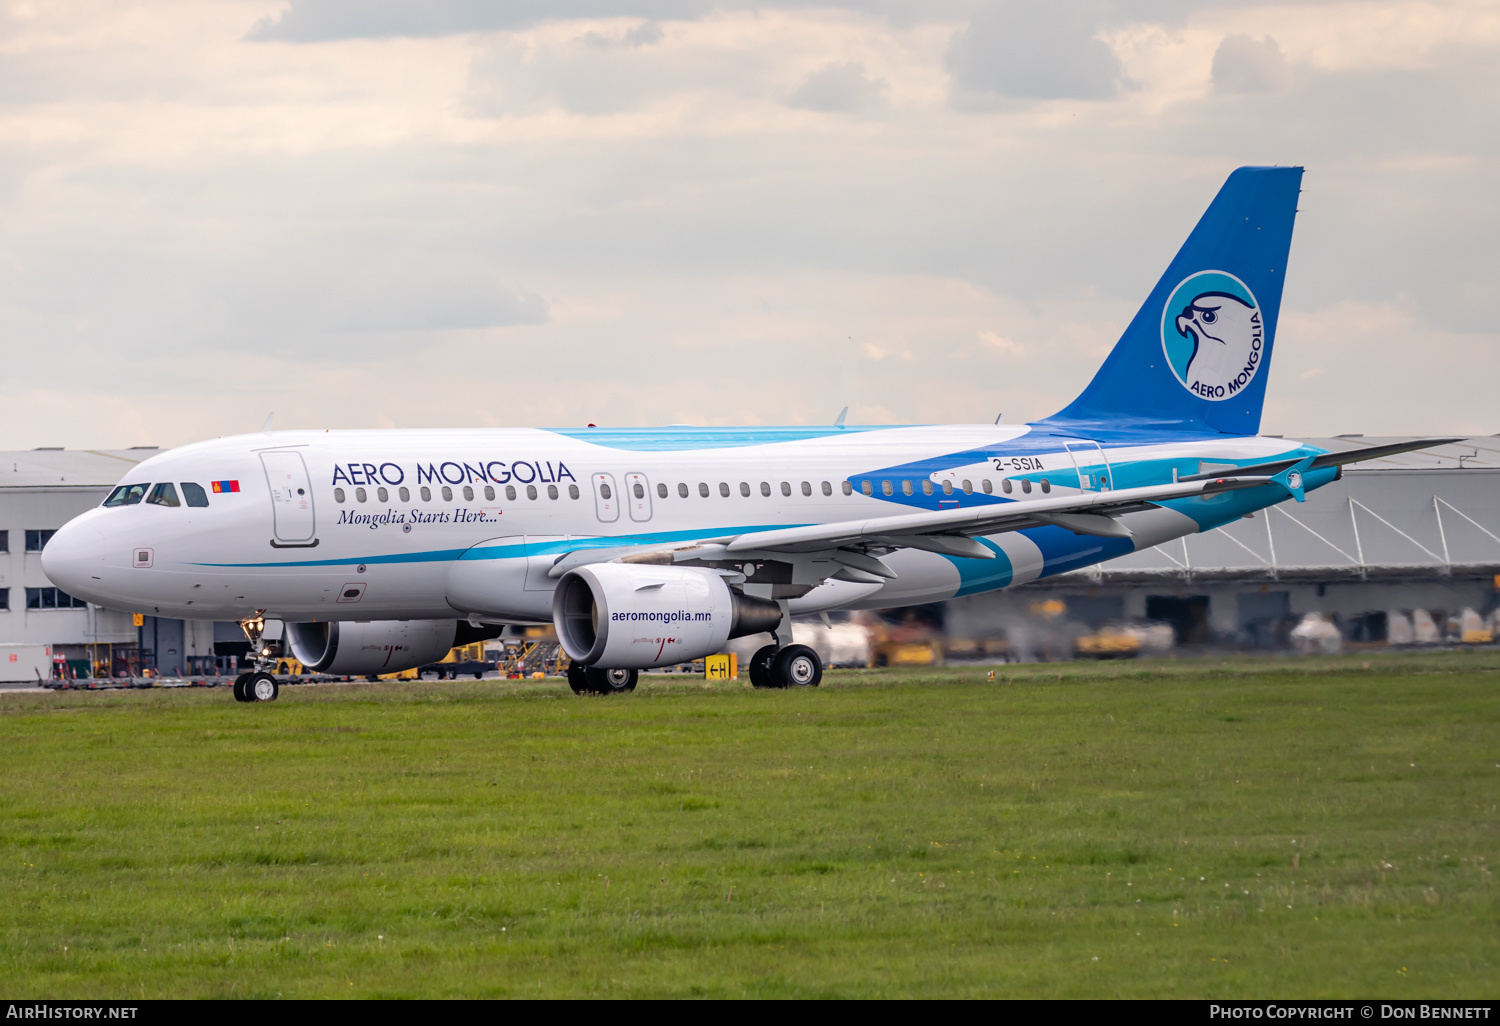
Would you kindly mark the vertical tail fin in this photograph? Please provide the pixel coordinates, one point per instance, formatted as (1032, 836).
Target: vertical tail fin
(1196, 355)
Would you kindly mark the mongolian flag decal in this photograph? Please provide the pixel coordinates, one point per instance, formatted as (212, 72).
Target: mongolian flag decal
(226, 486)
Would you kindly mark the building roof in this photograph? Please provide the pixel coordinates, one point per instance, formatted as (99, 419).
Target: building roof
(68, 468)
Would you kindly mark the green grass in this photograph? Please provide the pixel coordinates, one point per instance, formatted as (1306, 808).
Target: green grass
(1256, 827)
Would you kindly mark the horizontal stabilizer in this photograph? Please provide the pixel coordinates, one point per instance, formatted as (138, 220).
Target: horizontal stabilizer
(1328, 459)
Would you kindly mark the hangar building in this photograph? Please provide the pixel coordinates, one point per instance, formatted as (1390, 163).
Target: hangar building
(1417, 531)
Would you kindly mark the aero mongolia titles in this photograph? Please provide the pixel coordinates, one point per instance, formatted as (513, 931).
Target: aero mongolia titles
(485, 472)
(649, 547)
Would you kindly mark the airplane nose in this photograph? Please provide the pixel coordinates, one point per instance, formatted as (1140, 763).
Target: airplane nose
(73, 559)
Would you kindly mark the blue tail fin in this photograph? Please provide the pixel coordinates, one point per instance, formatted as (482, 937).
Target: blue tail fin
(1196, 356)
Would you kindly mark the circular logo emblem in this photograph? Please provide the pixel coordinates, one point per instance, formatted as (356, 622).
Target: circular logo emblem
(1213, 335)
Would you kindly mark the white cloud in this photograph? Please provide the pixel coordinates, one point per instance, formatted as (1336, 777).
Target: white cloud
(1246, 65)
(839, 87)
(618, 217)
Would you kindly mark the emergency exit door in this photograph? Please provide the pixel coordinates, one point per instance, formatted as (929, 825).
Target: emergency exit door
(639, 497)
(291, 497)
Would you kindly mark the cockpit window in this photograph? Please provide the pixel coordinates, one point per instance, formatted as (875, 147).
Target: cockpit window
(194, 494)
(127, 495)
(164, 495)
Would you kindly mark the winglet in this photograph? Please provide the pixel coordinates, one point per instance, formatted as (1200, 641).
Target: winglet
(1291, 478)
(839, 420)
(265, 428)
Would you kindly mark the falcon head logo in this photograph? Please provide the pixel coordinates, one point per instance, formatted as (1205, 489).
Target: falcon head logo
(1213, 335)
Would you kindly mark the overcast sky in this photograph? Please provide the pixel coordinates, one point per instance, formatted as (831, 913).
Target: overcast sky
(425, 213)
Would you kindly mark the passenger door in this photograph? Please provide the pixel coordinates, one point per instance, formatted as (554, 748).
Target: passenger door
(638, 491)
(1093, 468)
(291, 497)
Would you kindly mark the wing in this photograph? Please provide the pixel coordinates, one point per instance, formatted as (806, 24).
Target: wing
(952, 531)
(949, 531)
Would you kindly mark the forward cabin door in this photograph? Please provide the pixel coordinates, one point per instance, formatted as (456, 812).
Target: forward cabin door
(1093, 469)
(291, 497)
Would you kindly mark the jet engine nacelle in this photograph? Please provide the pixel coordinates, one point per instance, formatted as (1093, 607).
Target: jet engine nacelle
(373, 646)
(632, 616)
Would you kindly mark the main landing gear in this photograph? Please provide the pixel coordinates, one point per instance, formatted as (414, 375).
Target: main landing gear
(780, 668)
(591, 680)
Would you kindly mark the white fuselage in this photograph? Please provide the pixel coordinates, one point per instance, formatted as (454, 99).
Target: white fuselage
(407, 525)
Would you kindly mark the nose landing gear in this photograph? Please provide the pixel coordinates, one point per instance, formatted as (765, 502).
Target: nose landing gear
(256, 686)
(259, 685)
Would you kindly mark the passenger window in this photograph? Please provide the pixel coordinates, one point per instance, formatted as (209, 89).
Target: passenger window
(127, 495)
(990, 491)
(682, 490)
(338, 495)
(489, 493)
(1026, 485)
(806, 488)
(572, 491)
(360, 494)
(510, 493)
(886, 489)
(786, 488)
(703, 489)
(552, 491)
(194, 494)
(405, 494)
(426, 494)
(447, 494)
(468, 493)
(927, 487)
(604, 492)
(848, 488)
(947, 487)
(827, 488)
(724, 489)
(1046, 485)
(531, 492)
(765, 488)
(661, 490)
(866, 488)
(164, 495)
(745, 489)
(640, 493)
(905, 487)
(382, 495)
(1003, 484)
(968, 487)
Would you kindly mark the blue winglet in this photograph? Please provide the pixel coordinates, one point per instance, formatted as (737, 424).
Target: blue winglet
(1291, 478)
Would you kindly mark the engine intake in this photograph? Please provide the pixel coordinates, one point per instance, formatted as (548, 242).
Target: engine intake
(631, 616)
(356, 648)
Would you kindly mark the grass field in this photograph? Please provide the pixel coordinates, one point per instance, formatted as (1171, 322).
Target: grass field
(1258, 827)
